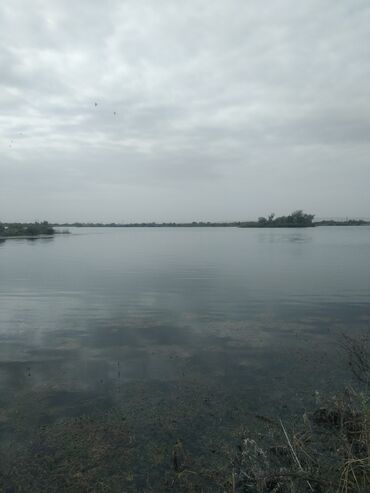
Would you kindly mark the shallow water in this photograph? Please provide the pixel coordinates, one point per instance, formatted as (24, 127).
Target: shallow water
(246, 314)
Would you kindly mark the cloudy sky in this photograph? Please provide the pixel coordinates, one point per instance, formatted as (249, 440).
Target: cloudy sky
(134, 110)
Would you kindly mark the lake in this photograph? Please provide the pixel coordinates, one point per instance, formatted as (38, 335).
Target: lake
(191, 331)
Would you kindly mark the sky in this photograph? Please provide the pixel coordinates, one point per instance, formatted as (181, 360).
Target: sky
(134, 110)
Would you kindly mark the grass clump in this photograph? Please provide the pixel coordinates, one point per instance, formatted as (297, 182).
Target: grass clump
(326, 452)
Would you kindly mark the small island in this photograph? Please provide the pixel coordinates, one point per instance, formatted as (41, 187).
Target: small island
(297, 219)
(26, 230)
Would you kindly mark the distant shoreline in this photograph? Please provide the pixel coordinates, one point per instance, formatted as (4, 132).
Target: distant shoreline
(238, 224)
(297, 219)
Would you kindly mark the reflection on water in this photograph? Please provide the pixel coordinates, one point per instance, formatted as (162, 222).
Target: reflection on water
(238, 312)
(285, 235)
(143, 296)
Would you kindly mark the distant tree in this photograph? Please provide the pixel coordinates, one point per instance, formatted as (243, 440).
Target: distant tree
(296, 218)
(262, 221)
(299, 217)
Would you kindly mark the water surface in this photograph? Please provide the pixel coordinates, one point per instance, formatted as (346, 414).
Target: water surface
(240, 321)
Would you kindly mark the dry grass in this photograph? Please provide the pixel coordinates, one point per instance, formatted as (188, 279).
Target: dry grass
(329, 452)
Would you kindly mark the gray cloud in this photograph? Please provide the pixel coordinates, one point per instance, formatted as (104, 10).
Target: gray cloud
(205, 110)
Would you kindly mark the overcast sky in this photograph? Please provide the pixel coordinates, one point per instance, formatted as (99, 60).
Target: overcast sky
(166, 110)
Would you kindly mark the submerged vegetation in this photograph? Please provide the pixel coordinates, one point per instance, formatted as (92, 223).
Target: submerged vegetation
(26, 229)
(184, 443)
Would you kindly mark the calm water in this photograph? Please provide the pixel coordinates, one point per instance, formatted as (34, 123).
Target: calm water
(91, 318)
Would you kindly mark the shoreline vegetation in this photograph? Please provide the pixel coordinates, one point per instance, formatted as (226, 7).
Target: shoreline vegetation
(297, 219)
